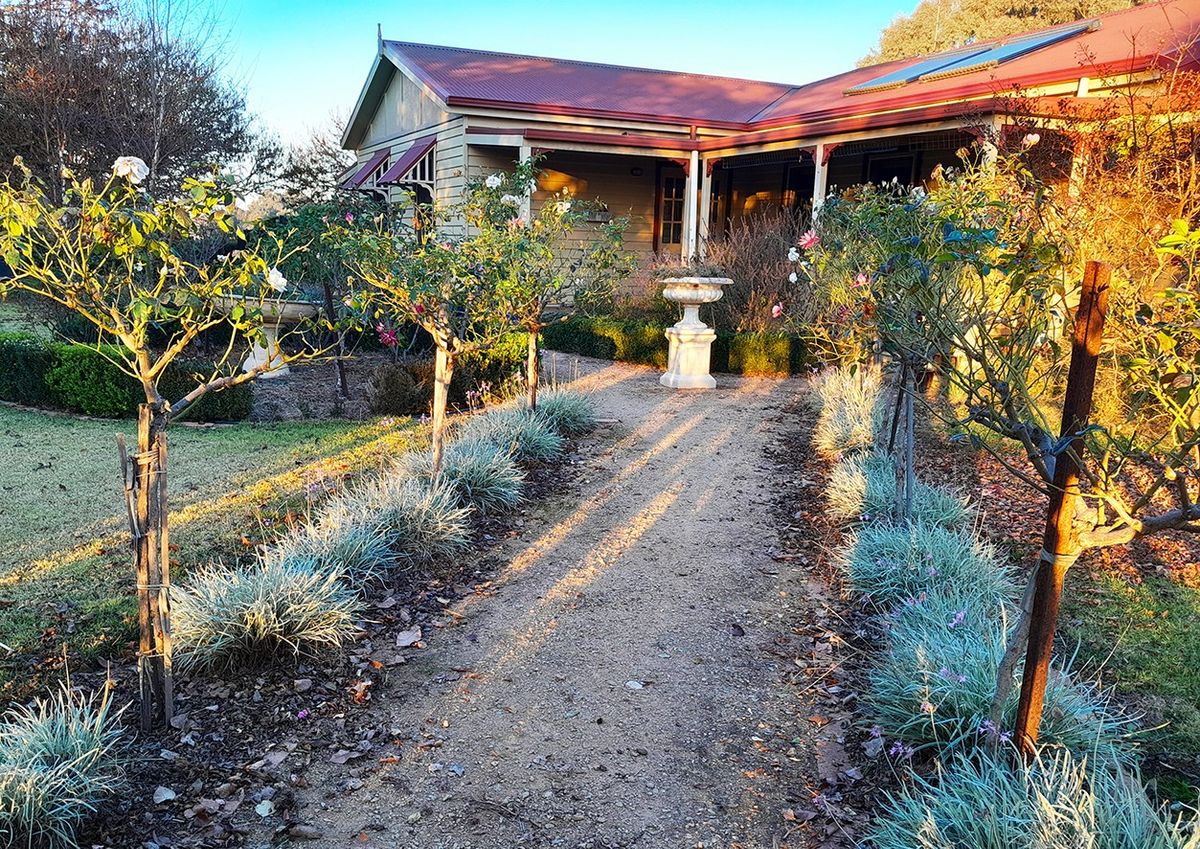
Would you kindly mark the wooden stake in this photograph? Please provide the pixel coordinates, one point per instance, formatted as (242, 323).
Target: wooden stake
(533, 370)
(1060, 546)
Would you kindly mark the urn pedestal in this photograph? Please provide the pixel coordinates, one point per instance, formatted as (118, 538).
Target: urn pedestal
(690, 339)
(277, 315)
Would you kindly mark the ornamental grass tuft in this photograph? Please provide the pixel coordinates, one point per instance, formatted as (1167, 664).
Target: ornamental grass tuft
(358, 545)
(58, 763)
(427, 521)
(226, 614)
(995, 801)
(932, 686)
(893, 563)
(851, 410)
(525, 435)
(481, 475)
(567, 413)
(863, 488)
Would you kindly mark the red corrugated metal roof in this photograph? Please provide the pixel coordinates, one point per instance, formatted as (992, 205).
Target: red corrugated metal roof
(408, 159)
(1130, 39)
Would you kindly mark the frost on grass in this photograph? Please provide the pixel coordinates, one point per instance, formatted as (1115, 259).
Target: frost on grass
(851, 410)
(996, 802)
(892, 563)
(863, 487)
(933, 683)
(523, 434)
(225, 614)
(481, 474)
(57, 765)
(565, 412)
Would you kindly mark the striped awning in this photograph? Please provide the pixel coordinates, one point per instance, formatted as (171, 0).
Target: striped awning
(408, 160)
(360, 176)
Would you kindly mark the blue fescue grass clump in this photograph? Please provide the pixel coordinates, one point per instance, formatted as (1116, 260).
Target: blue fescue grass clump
(428, 522)
(933, 683)
(223, 615)
(355, 543)
(851, 410)
(58, 763)
(892, 563)
(995, 801)
(863, 488)
(523, 434)
(566, 413)
(480, 474)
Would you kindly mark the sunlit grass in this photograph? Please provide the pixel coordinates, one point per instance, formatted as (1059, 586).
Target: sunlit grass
(65, 564)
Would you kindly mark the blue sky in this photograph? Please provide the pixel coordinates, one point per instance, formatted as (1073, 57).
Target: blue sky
(302, 60)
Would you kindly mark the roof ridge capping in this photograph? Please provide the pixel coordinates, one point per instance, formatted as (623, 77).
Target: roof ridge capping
(587, 63)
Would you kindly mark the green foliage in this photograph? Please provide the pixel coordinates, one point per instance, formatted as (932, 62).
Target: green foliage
(88, 380)
(58, 763)
(567, 413)
(632, 341)
(394, 391)
(405, 387)
(891, 564)
(481, 475)
(225, 615)
(513, 429)
(863, 488)
(988, 802)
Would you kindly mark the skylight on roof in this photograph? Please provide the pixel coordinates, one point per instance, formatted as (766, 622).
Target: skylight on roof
(910, 73)
(969, 59)
(1010, 49)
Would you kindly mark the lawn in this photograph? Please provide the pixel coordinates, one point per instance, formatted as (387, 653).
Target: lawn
(64, 566)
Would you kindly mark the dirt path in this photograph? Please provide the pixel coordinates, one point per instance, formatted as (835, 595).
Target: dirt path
(619, 688)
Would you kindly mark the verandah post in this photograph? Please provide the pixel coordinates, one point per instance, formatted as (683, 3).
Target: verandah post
(1060, 546)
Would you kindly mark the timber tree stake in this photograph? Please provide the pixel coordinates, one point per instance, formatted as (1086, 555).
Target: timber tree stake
(1060, 546)
(145, 478)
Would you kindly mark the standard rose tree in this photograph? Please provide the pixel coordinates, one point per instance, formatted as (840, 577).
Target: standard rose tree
(127, 264)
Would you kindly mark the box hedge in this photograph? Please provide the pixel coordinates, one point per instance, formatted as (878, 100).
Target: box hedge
(85, 380)
(607, 338)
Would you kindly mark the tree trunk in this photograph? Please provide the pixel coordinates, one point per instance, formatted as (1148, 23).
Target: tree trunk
(533, 368)
(145, 476)
(443, 365)
(339, 358)
(1060, 545)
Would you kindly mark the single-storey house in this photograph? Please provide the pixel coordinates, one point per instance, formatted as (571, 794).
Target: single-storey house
(685, 155)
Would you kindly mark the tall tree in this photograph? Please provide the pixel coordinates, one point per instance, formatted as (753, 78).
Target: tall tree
(937, 25)
(313, 169)
(85, 81)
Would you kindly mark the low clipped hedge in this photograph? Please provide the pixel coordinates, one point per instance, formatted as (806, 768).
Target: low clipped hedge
(606, 338)
(81, 379)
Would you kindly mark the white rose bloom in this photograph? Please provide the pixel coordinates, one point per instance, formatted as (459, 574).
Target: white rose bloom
(276, 280)
(793, 255)
(493, 181)
(792, 278)
(563, 207)
(131, 168)
(510, 200)
(1030, 140)
(532, 187)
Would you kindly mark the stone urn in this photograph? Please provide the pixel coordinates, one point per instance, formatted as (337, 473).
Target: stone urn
(690, 338)
(278, 314)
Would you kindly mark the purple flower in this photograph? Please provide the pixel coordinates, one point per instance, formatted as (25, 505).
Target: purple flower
(959, 617)
(901, 750)
(876, 731)
(302, 713)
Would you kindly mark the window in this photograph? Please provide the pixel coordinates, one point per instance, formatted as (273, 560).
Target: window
(886, 167)
(670, 210)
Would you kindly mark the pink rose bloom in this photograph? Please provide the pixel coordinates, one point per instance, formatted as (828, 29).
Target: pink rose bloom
(418, 309)
(349, 217)
(777, 310)
(810, 240)
(861, 280)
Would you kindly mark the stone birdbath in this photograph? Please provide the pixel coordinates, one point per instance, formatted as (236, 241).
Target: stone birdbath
(278, 314)
(690, 352)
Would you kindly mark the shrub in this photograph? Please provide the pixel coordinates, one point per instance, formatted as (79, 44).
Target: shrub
(481, 475)
(222, 615)
(516, 430)
(394, 390)
(427, 522)
(84, 380)
(864, 487)
(892, 563)
(851, 410)
(359, 546)
(57, 764)
(987, 802)
(754, 253)
(758, 354)
(934, 682)
(24, 362)
(565, 412)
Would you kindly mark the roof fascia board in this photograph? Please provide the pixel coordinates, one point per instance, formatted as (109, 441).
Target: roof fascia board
(525, 119)
(353, 132)
(465, 103)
